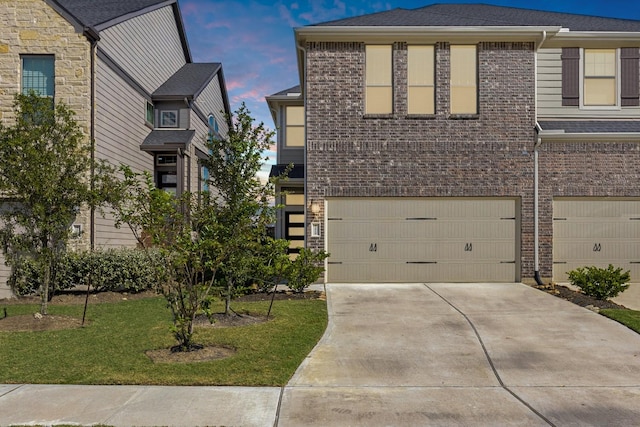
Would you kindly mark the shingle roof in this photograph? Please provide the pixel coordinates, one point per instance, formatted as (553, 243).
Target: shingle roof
(297, 171)
(167, 138)
(92, 13)
(294, 89)
(188, 81)
(482, 15)
(592, 126)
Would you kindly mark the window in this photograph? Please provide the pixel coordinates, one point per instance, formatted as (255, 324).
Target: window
(150, 113)
(213, 123)
(379, 89)
(600, 77)
(166, 160)
(204, 176)
(464, 95)
(420, 79)
(169, 119)
(168, 181)
(38, 74)
(294, 133)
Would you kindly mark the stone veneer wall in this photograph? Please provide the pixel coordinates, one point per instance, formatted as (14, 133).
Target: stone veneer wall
(488, 154)
(32, 27)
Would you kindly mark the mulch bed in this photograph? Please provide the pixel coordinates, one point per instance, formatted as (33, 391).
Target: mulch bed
(577, 297)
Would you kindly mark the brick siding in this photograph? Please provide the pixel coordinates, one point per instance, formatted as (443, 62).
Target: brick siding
(489, 154)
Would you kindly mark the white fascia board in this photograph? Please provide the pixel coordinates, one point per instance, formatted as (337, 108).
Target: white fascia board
(421, 33)
(594, 39)
(562, 136)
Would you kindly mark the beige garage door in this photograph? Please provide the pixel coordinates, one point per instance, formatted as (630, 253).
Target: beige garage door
(595, 232)
(421, 240)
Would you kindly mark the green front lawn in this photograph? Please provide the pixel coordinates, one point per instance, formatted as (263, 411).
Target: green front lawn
(629, 318)
(111, 348)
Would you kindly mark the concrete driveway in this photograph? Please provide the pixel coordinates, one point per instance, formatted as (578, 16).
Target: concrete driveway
(464, 354)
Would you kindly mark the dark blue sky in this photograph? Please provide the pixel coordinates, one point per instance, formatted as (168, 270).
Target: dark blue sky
(254, 39)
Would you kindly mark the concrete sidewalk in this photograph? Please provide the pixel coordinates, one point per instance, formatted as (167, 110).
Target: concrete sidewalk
(138, 405)
(402, 355)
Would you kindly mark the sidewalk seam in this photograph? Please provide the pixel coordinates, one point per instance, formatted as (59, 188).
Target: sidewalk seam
(277, 417)
(486, 353)
(19, 386)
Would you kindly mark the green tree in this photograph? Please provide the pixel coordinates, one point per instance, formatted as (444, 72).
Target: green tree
(46, 175)
(209, 240)
(241, 200)
(180, 237)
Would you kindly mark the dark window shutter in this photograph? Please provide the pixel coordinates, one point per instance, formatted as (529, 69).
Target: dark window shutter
(630, 87)
(571, 76)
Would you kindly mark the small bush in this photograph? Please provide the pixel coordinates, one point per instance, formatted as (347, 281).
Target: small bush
(128, 270)
(600, 283)
(305, 269)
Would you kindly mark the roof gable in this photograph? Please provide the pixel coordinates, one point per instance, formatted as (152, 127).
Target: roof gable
(188, 81)
(97, 13)
(484, 15)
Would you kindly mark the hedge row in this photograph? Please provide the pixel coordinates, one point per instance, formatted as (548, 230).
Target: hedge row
(128, 270)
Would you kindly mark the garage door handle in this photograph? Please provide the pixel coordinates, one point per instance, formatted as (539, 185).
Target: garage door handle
(334, 262)
(421, 262)
(421, 219)
(507, 262)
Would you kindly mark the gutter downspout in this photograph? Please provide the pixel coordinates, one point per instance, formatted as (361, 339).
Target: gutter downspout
(92, 35)
(536, 202)
(536, 227)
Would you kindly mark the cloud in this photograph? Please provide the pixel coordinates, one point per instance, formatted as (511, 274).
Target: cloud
(286, 16)
(320, 12)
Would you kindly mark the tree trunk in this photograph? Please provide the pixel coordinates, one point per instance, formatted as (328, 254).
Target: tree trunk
(227, 302)
(46, 281)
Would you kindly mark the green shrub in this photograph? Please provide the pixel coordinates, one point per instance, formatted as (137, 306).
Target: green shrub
(305, 269)
(124, 269)
(601, 283)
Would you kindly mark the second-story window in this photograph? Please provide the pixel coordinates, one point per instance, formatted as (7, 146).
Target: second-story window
(294, 134)
(420, 80)
(464, 93)
(38, 74)
(213, 124)
(379, 81)
(169, 119)
(150, 114)
(600, 77)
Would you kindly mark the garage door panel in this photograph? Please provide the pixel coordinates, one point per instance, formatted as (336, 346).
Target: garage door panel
(405, 240)
(596, 232)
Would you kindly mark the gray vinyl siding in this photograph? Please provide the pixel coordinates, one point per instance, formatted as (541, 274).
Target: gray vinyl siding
(147, 42)
(210, 101)
(120, 129)
(549, 102)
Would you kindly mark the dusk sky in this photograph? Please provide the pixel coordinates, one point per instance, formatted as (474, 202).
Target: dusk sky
(255, 43)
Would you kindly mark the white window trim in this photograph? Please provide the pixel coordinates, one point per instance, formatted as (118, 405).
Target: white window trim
(163, 125)
(618, 105)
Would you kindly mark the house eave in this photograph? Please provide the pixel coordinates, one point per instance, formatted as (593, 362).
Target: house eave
(372, 34)
(561, 136)
(593, 39)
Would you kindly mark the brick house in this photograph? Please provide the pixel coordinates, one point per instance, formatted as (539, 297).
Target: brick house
(126, 69)
(465, 143)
